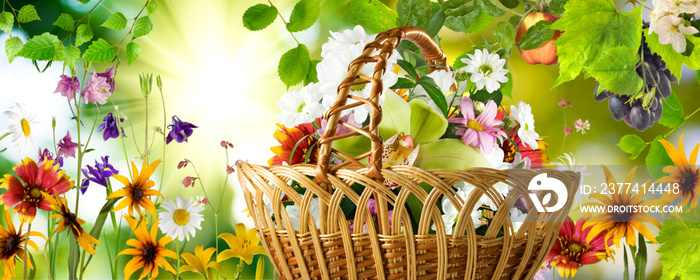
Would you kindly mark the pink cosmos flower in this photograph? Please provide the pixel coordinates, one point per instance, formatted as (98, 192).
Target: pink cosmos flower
(98, 90)
(68, 87)
(480, 131)
(66, 147)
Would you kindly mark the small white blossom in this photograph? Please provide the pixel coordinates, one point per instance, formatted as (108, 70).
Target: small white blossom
(523, 115)
(672, 30)
(300, 107)
(486, 70)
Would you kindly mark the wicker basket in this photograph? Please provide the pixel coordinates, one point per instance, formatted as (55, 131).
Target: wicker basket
(327, 248)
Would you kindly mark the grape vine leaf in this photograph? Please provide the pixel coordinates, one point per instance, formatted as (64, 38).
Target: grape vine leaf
(12, 47)
(7, 21)
(142, 27)
(504, 34)
(259, 17)
(673, 115)
(84, 35)
(151, 7)
(674, 61)
(657, 159)
(536, 35)
(65, 22)
(294, 65)
(304, 15)
(615, 71)
(374, 16)
(590, 27)
(132, 52)
(27, 14)
(42, 47)
(71, 55)
(680, 246)
(465, 16)
(632, 144)
(116, 22)
(99, 51)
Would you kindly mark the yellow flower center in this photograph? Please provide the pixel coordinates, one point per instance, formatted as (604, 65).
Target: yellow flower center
(475, 125)
(181, 217)
(485, 69)
(301, 107)
(25, 127)
(358, 86)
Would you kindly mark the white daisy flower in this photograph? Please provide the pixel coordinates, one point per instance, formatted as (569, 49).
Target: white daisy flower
(342, 41)
(671, 30)
(444, 80)
(451, 215)
(181, 218)
(300, 107)
(293, 212)
(495, 159)
(523, 115)
(486, 70)
(22, 122)
(333, 70)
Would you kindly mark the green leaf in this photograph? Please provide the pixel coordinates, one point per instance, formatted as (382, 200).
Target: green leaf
(615, 71)
(674, 61)
(449, 154)
(42, 47)
(259, 17)
(427, 125)
(151, 7)
(65, 22)
(116, 22)
(142, 27)
(71, 55)
(504, 34)
(657, 159)
(491, 9)
(558, 5)
(312, 76)
(626, 272)
(537, 35)
(640, 259)
(132, 52)
(591, 26)
(7, 21)
(434, 92)
(510, 4)
(437, 20)
(84, 35)
(373, 16)
(697, 76)
(294, 65)
(632, 144)
(409, 68)
(27, 14)
(353, 146)
(673, 115)
(484, 96)
(414, 13)
(83, 1)
(507, 88)
(99, 51)
(465, 16)
(403, 83)
(680, 246)
(13, 46)
(304, 15)
(394, 116)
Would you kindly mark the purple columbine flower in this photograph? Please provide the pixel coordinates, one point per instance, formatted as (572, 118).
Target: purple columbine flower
(179, 131)
(66, 147)
(99, 174)
(97, 90)
(110, 127)
(68, 87)
(109, 78)
(47, 155)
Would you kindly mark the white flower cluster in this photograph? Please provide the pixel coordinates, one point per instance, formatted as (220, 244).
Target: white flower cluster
(665, 21)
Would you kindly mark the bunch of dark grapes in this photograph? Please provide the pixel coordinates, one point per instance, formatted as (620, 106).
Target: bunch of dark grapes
(657, 79)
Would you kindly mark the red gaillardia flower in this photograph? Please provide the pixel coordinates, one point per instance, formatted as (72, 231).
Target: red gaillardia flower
(28, 194)
(288, 138)
(572, 249)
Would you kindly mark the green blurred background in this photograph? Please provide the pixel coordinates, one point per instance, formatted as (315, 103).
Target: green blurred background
(223, 78)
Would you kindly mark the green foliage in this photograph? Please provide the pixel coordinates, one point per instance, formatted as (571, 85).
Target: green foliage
(84, 35)
(304, 15)
(259, 17)
(294, 65)
(680, 246)
(673, 115)
(507, 88)
(83, 1)
(71, 55)
(615, 71)
(27, 14)
(373, 16)
(657, 159)
(65, 22)
(99, 51)
(12, 47)
(132, 52)
(151, 7)
(537, 35)
(142, 27)
(491, 9)
(640, 259)
(312, 75)
(504, 34)
(414, 13)
(468, 15)
(42, 47)
(6, 22)
(592, 27)
(434, 92)
(116, 22)
(409, 68)
(510, 4)
(674, 61)
(437, 20)
(632, 144)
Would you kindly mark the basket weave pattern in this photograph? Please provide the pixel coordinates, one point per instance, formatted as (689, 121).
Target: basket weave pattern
(324, 247)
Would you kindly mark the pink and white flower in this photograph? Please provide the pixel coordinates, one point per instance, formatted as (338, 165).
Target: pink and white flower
(582, 126)
(672, 30)
(482, 131)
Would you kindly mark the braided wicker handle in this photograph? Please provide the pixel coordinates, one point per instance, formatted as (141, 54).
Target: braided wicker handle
(386, 42)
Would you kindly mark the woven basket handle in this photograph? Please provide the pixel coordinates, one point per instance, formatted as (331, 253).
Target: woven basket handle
(386, 42)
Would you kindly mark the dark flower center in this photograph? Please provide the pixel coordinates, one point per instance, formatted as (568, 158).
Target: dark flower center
(622, 217)
(509, 151)
(137, 193)
(572, 249)
(148, 253)
(33, 195)
(687, 181)
(8, 245)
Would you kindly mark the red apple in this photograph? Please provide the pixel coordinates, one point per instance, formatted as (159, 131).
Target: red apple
(546, 53)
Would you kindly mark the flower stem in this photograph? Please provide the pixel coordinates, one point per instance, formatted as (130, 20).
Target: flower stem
(177, 248)
(285, 22)
(26, 252)
(145, 133)
(165, 121)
